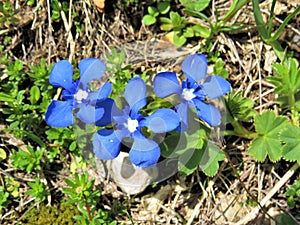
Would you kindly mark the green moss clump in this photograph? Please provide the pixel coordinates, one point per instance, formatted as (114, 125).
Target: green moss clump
(63, 215)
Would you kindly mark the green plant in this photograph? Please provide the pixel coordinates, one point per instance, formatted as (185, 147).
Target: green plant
(183, 27)
(38, 190)
(81, 192)
(120, 73)
(293, 194)
(7, 14)
(153, 12)
(28, 160)
(3, 198)
(287, 82)
(265, 29)
(56, 7)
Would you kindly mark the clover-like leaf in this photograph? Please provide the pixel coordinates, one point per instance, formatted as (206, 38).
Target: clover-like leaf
(268, 127)
(291, 148)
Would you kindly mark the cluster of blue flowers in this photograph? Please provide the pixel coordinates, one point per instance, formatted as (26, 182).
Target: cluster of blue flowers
(127, 124)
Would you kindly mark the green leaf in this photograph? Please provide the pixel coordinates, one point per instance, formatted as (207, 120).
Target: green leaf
(166, 24)
(268, 126)
(260, 24)
(163, 7)
(178, 39)
(149, 20)
(35, 94)
(291, 148)
(210, 159)
(201, 31)
(2, 154)
(195, 5)
(287, 81)
(189, 32)
(187, 167)
(239, 107)
(153, 11)
(176, 19)
(6, 98)
(276, 35)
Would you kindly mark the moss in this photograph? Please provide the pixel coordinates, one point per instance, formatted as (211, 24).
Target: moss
(61, 215)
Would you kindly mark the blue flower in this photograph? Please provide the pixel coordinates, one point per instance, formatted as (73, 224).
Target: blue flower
(191, 92)
(89, 106)
(144, 152)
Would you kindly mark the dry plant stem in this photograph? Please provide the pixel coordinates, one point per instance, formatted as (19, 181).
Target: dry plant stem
(253, 214)
(244, 186)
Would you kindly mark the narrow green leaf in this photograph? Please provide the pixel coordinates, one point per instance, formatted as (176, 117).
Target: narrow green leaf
(35, 94)
(276, 35)
(260, 24)
(6, 97)
(201, 31)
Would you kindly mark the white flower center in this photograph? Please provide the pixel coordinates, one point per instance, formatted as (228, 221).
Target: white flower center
(188, 94)
(132, 125)
(80, 95)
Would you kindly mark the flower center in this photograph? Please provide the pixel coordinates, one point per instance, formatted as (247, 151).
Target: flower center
(132, 125)
(188, 94)
(81, 95)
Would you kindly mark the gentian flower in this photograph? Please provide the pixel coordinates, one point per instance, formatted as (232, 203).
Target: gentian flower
(144, 152)
(89, 106)
(191, 92)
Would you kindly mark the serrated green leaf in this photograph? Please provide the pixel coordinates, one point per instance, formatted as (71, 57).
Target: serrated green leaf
(291, 148)
(188, 165)
(268, 126)
(210, 159)
(261, 146)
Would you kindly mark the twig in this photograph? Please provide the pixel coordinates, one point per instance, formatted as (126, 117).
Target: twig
(271, 193)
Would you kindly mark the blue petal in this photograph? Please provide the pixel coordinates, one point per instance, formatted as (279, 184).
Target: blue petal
(109, 107)
(89, 114)
(106, 144)
(161, 121)
(165, 84)
(90, 69)
(207, 112)
(100, 94)
(182, 110)
(135, 94)
(144, 152)
(61, 76)
(59, 114)
(215, 86)
(195, 66)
